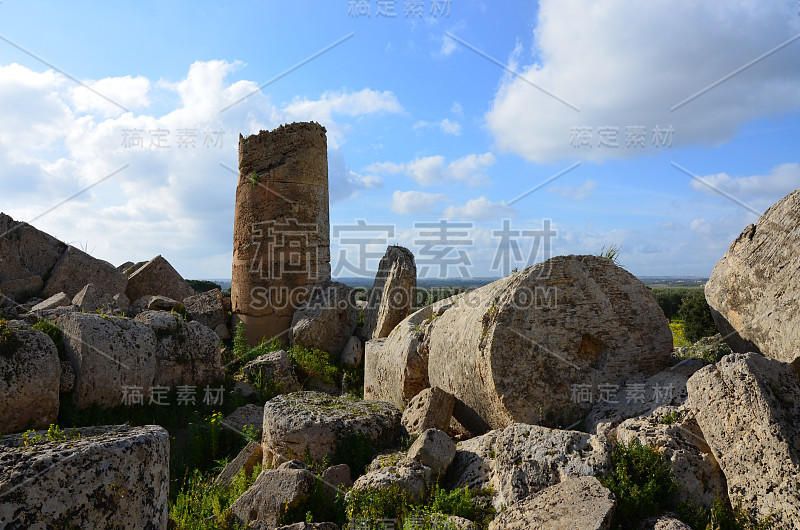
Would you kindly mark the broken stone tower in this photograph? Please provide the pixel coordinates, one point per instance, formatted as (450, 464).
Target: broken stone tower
(281, 244)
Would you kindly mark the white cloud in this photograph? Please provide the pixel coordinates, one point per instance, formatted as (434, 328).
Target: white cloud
(700, 226)
(457, 110)
(449, 45)
(447, 126)
(450, 127)
(330, 104)
(480, 209)
(128, 92)
(470, 169)
(417, 202)
(384, 167)
(343, 183)
(176, 200)
(780, 181)
(628, 64)
(577, 193)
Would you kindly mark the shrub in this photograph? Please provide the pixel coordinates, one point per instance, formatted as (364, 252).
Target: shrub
(392, 503)
(474, 505)
(54, 332)
(678, 338)
(203, 505)
(202, 286)
(721, 516)
(697, 319)
(371, 505)
(8, 341)
(355, 449)
(641, 482)
(314, 365)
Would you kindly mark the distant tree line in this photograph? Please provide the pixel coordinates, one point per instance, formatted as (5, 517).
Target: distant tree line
(687, 304)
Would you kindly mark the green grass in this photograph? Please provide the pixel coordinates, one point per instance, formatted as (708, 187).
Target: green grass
(312, 365)
(393, 503)
(8, 340)
(54, 332)
(640, 480)
(611, 252)
(202, 505)
(197, 437)
(721, 516)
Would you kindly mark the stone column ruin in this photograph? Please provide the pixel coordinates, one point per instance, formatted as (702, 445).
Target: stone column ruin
(281, 235)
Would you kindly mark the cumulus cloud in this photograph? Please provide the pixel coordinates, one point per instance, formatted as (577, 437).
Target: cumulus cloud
(330, 104)
(627, 65)
(577, 193)
(480, 209)
(344, 183)
(417, 202)
(432, 170)
(111, 96)
(164, 189)
(779, 181)
(446, 126)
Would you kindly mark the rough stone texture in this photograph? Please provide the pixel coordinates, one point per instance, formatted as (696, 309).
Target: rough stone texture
(76, 268)
(206, 308)
(317, 422)
(664, 522)
(89, 299)
(273, 490)
(29, 381)
(250, 414)
(433, 449)
(353, 353)
(310, 526)
(57, 300)
(133, 268)
(223, 332)
(157, 277)
(664, 389)
(67, 378)
(575, 503)
(523, 459)
(154, 303)
(392, 296)
(247, 459)
(112, 476)
(186, 352)
(246, 390)
(409, 475)
(327, 319)
(680, 442)
(430, 409)
(754, 285)
(122, 302)
(26, 255)
(396, 367)
(748, 408)
(336, 476)
(512, 350)
(281, 230)
(453, 522)
(272, 368)
(107, 354)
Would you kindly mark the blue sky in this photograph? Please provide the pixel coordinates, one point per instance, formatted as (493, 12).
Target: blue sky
(422, 126)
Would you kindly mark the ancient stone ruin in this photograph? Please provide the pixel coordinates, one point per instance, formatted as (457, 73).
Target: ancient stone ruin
(281, 243)
(475, 396)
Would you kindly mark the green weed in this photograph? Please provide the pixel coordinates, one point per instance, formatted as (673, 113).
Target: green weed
(640, 480)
